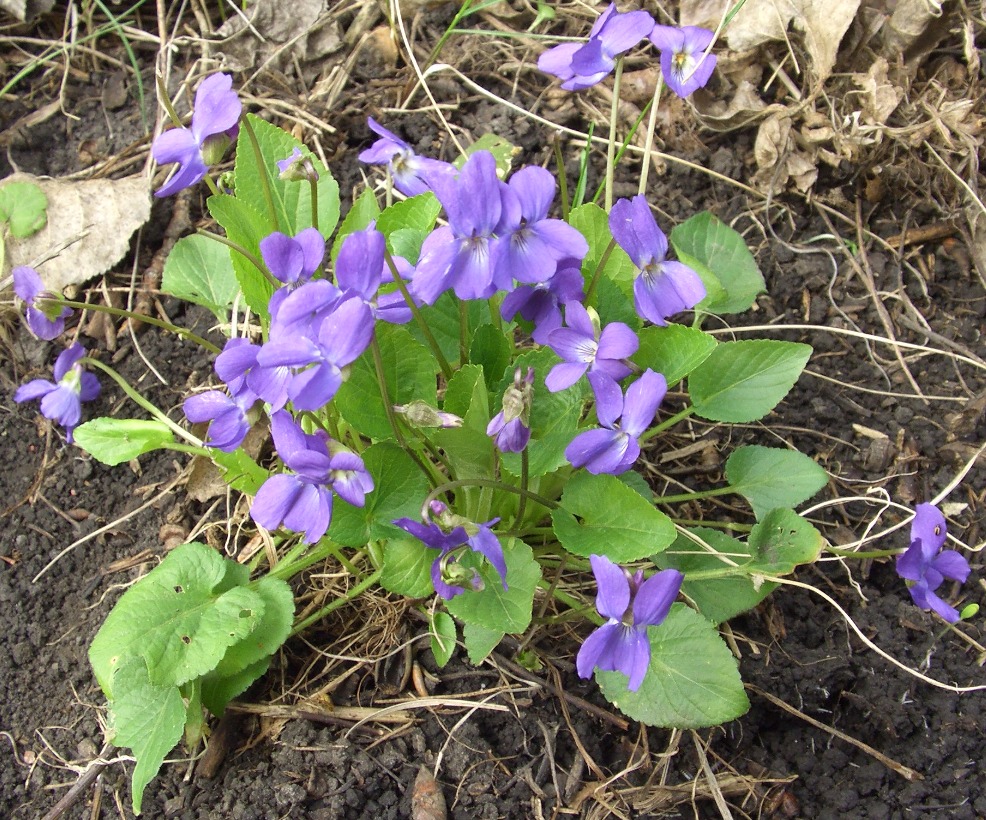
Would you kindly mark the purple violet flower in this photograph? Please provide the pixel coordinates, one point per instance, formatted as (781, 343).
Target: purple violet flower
(613, 448)
(662, 288)
(320, 359)
(229, 416)
(292, 260)
(584, 349)
(684, 64)
(511, 427)
(302, 500)
(463, 254)
(296, 168)
(62, 399)
(541, 303)
(927, 565)
(237, 366)
(533, 244)
(215, 122)
(362, 267)
(29, 288)
(580, 65)
(631, 604)
(412, 174)
(447, 575)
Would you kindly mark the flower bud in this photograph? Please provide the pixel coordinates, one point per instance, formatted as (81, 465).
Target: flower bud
(297, 168)
(214, 147)
(421, 414)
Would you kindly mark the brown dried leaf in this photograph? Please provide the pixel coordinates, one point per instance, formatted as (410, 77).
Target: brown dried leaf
(427, 800)
(90, 223)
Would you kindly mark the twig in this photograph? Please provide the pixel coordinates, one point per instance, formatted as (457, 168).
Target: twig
(86, 779)
(904, 771)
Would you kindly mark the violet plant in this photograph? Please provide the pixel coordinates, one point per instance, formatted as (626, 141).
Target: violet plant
(457, 387)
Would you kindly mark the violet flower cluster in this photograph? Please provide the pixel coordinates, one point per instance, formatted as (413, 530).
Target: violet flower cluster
(685, 66)
(926, 565)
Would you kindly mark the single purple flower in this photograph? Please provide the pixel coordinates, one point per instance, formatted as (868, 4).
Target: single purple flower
(237, 366)
(541, 303)
(45, 324)
(292, 261)
(463, 254)
(302, 499)
(455, 533)
(412, 174)
(631, 604)
(62, 399)
(585, 349)
(511, 427)
(662, 288)
(320, 360)
(613, 448)
(533, 244)
(215, 119)
(580, 65)
(927, 565)
(228, 416)
(684, 64)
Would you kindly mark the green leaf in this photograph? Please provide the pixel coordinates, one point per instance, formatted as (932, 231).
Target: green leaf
(692, 680)
(509, 609)
(147, 717)
(718, 599)
(409, 371)
(200, 270)
(364, 211)
(406, 224)
(503, 152)
(782, 541)
(593, 223)
(469, 451)
(240, 471)
(490, 349)
(176, 619)
(113, 441)
(616, 521)
(399, 486)
(712, 243)
(246, 227)
(407, 567)
(442, 630)
(292, 199)
(743, 381)
(770, 477)
(271, 632)
(467, 397)
(218, 692)
(480, 641)
(24, 207)
(614, 303)
(675, 350)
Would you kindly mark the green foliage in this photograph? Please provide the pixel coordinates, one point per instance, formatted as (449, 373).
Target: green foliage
(364, 211)
(509, 609)
(442, 631)
(480, 641)
(692, 681)
(601, 515)
(113, 441)
(24, 208)
(781, 541)
(200, 270)
(291, 199)
(705, 243)
(407, 568)
(245, 227)
(675, 350)
(593, 223)
(743, 381)
(194, 616)
(503, 152)
(407, 222)
(769, 477)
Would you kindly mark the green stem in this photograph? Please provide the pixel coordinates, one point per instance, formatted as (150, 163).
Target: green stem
(664, 425)
(861, 554)
(562, 180)
(389, 409)
(419, 319)
(229, 243)
(524, 478)
(211, 185)
(354, 593)
(463, 332)
(262, 169)
(129, 314)
(162, 92)
(590, 291)
(722, 525)
(314, 188)
(287, 568)
(682, 497)
(572, 603)
(649, 143)
(138, 399)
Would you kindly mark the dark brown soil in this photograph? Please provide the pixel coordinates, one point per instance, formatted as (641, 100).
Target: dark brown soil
(529, 761)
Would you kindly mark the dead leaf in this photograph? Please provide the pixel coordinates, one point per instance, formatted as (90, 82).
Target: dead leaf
(90, 223)
(24, 10)
(779, 160)
(278, 29)
(427, 800)
(880, 96)
(744, 108)
(822, 22)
